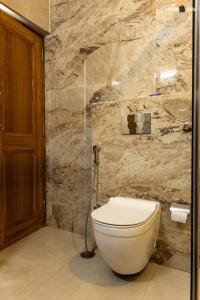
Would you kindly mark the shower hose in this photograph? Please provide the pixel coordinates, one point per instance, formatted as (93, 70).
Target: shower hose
(90, 252)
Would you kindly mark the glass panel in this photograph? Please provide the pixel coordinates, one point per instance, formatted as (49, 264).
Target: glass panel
(123, 67)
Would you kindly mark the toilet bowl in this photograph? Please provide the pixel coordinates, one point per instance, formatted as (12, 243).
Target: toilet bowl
(125, 230)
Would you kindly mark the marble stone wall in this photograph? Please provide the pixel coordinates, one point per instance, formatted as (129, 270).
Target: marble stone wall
(104, 60)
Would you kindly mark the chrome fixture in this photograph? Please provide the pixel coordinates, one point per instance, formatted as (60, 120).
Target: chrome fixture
(96, 150)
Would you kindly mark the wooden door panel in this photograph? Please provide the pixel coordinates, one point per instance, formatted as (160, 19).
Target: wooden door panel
(19, 174)
(18, 87)
(21, 134)
(1, 201)
(18, 80)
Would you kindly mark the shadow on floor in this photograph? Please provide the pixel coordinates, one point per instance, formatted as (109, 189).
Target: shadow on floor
(95, 271)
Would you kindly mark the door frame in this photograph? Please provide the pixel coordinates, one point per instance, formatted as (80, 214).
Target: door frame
(41, 33)
(195, 151)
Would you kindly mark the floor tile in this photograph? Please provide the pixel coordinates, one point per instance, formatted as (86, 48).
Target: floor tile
(47, 266)
(158, 291)
(92, 279)
(176, 278)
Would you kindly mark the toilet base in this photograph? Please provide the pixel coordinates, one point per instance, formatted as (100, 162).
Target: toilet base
(87, 254)
(127, 276)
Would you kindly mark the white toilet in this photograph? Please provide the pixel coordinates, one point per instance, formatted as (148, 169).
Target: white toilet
(125, 230)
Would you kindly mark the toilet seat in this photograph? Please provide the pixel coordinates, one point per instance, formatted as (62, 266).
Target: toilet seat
(124, 213)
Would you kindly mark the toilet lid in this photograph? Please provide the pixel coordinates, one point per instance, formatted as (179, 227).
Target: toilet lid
(122, 211)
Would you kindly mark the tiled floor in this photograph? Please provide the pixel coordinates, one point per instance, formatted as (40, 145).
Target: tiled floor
(47, 266)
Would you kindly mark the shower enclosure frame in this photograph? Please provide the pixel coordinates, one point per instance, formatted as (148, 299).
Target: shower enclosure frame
(195, 151)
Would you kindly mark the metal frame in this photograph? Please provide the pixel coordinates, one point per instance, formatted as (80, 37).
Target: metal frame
(23, 20)
(195, 150)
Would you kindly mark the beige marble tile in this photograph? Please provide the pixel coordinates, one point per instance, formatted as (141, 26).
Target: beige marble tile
(19, 276)
(29, 263)
(89, 279)
(18, 6)
(102, 18)
(130, 154)
(135, 20)
(35, 11)
(136, 75)
(176, 278)
(47, 266)
(177, 240)
(103, 60)
(105, 68)
(38, 12)
(180, 262)
(157, 291)
(174, 47)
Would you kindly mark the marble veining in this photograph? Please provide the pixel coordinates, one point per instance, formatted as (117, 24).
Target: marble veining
(104, 60)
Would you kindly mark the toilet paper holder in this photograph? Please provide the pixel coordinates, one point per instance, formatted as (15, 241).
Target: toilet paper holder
(179, 212)
(177, 207)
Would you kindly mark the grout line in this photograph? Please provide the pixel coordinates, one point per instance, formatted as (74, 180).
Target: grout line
(149, 283)
(147, 289)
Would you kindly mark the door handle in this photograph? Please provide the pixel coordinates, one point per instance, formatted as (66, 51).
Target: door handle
(1, 127)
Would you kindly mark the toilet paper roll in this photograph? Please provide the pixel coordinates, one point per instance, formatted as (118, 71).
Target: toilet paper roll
(179, 216)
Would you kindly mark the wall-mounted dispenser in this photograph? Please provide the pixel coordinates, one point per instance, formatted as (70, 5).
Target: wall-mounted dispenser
(179, 212)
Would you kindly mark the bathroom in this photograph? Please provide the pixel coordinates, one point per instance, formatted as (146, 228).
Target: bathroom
(112, 148)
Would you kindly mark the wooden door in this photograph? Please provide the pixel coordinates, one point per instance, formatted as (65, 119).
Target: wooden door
(21, 130)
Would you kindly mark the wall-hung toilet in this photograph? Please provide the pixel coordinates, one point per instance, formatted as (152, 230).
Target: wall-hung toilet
(125, 231)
